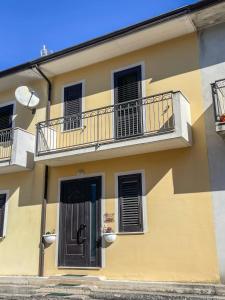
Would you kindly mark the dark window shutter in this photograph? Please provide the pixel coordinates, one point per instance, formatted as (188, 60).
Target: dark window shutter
(6, 113)
(130, 203)
(73, 106)
(128, 116)
(128, 85)
(2, 212)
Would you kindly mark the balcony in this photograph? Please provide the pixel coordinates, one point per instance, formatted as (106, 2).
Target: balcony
(218, 90)
(144, 125)
(16, 150)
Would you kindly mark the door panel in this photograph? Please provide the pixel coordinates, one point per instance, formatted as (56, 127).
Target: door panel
(80, 223)
(128, 109)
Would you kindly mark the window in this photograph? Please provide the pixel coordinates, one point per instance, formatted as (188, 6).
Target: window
(6, 114)
(73, 106)
(2, 213)
(130, 203)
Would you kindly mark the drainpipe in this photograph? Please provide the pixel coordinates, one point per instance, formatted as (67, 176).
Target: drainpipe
(45, 196)
(49, 91)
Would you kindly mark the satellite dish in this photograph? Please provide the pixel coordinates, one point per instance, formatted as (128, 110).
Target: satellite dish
(27, 97)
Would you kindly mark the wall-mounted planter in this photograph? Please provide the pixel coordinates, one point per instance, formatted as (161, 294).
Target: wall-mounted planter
(110, 237)
(49, 238)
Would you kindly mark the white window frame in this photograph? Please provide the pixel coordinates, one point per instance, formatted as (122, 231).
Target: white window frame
(83, 82)
(5, 192)
(144, 202)
(143, 88)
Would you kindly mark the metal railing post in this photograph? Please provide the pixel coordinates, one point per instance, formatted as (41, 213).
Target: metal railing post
(215, 104)
(97, 128)
(37, 139)
(11, 141)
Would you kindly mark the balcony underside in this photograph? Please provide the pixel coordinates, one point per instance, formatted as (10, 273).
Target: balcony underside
(116, 149)
(7, 167)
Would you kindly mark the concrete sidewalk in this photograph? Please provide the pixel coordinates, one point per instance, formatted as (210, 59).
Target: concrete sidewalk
(85, 288)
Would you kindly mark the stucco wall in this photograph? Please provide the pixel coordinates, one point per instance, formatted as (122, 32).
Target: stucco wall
(19, 250)
(180, 243)
(212, 59)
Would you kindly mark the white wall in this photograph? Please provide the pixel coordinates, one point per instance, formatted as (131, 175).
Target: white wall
(212, 59)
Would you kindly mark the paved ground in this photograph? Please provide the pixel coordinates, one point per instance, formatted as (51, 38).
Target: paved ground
(85, 288)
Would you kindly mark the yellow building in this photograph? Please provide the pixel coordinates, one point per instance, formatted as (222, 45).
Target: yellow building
(112, 164)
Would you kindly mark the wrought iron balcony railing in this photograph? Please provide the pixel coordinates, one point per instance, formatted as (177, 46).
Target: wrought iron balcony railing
(128, 120)
(6, 141)
(218, 89)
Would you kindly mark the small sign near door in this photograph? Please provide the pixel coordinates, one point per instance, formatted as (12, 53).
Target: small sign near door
(109, 218)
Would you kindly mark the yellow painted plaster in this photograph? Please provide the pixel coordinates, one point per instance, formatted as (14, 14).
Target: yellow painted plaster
(179, 244)
(19, 250)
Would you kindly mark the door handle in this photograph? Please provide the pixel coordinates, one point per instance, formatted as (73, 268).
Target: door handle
(79, 234)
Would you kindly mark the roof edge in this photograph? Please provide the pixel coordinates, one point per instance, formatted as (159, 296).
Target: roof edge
(113, 35)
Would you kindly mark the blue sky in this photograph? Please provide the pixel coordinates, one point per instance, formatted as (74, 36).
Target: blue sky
(28, 24)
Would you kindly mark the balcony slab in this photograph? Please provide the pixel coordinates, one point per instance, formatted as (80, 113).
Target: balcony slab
(117, 149)
(21, 156)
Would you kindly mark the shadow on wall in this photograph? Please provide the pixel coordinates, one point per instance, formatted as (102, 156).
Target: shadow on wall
(212, 60)
(212, 43)
(30, 186)
(29, 118)
(190, 165)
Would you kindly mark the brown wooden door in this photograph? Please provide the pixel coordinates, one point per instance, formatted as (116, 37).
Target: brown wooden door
(80, 223)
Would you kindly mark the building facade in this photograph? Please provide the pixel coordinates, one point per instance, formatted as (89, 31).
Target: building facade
(119, 147)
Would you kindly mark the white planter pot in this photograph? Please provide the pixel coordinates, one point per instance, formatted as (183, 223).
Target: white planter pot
(110, 237)
(49, 238)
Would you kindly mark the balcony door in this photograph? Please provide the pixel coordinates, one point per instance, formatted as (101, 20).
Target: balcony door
(6, 123)
(128, 116)
(80, 223)
(6, 115)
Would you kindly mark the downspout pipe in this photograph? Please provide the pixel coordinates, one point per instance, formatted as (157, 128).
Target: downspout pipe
(49, 90)
(46, 175)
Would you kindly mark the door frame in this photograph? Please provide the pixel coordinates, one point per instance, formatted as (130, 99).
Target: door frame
(143, 88)
(102, 205)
